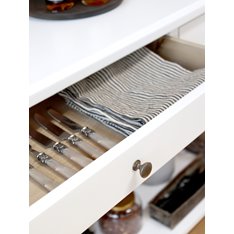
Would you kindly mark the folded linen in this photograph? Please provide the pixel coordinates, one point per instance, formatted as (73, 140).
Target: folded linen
(130, 92)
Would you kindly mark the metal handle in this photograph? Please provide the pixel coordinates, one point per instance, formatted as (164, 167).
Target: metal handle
(53, 164)
(145, 168)
(75, 156)
(93, 151)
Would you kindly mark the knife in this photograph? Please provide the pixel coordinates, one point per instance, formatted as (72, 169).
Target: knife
(63, 135)
(42, 179)
(52, 163)
(85, 131)
(75, 156)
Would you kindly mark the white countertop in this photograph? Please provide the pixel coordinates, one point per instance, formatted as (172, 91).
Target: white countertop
(64, 52)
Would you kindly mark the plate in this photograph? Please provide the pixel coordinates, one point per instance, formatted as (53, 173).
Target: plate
(37, 9)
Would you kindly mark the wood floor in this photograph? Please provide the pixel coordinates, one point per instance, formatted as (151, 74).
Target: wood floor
(199, 228)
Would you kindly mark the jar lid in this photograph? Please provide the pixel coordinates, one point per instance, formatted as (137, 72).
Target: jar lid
(126, 203)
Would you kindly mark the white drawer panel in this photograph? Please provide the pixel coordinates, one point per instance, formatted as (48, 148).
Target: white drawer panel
(82, 199)
(194, 30)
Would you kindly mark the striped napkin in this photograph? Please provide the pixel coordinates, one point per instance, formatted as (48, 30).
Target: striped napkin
(130, 92)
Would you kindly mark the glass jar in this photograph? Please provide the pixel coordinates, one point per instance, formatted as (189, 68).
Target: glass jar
(94, 2)
(125, 217)
(55, 6)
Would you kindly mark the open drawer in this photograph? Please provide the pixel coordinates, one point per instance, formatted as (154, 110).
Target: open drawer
(82, 199)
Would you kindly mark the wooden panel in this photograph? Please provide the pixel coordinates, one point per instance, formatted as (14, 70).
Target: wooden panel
(187, 54)
(199, 228)
(58, 102)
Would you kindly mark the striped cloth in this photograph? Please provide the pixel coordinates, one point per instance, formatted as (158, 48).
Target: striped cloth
(132, 91)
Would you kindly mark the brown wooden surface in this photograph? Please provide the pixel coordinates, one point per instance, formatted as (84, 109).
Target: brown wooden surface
(189, 55)
(199, 228)
(36, 191)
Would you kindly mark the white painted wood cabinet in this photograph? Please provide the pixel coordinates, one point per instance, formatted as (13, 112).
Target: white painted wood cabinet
(62, 53)
(194, 30)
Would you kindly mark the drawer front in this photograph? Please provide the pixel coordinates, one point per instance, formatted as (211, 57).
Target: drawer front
(85, 197)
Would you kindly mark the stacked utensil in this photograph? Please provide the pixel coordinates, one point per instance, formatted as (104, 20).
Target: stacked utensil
(83, 130)
(62, 135)
(75, 147)
(58, 167)
(60, 148)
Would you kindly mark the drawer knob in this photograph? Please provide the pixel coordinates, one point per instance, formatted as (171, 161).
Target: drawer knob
(144, 168)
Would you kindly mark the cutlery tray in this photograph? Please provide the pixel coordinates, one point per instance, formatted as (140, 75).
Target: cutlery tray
(37, 191)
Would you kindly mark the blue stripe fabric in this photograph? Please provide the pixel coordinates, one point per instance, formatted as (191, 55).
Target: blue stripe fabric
(132, 91)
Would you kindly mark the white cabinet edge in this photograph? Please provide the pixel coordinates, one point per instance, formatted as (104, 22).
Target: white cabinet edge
(51, 84)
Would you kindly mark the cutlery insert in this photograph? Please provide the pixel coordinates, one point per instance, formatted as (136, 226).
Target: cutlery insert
(54, 165)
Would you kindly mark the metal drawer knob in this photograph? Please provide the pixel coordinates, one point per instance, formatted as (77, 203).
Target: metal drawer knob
(144, 168)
